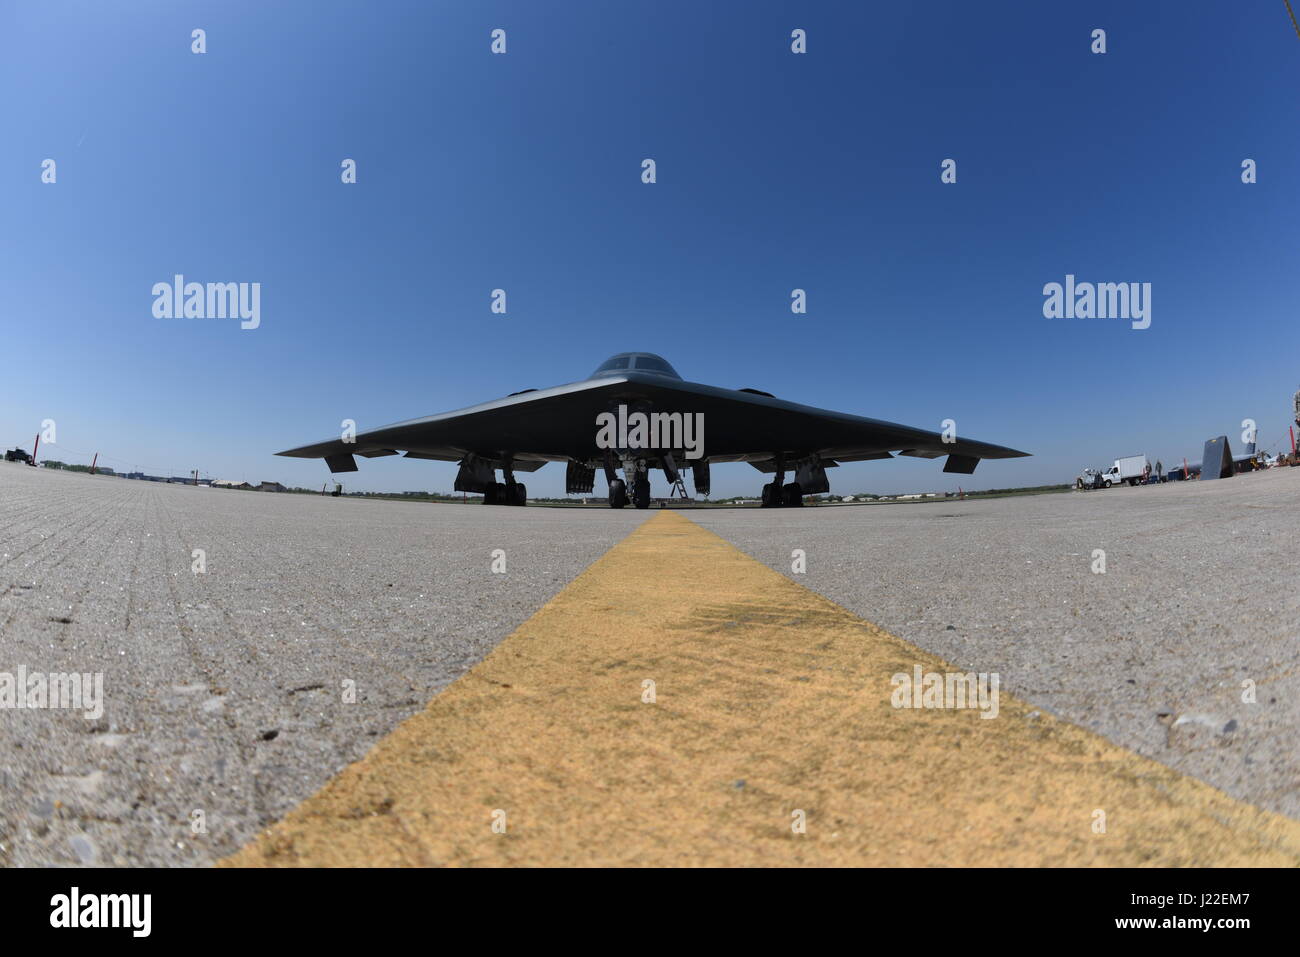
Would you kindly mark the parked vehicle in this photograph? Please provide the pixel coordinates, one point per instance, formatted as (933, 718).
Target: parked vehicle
(1131, 469)
(18, 455)
(1090, 479)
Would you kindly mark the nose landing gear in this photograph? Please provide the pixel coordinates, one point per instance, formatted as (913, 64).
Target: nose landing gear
(617, 493)
(641, 489)
(638, 477)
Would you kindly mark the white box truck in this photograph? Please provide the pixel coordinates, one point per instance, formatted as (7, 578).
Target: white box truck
(1129, 469)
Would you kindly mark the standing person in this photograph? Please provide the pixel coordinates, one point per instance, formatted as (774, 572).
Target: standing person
(1160, 471)
(1297, 422)
(1146, 473)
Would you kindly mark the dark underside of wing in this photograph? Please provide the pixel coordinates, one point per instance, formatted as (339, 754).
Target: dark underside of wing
(559, 424)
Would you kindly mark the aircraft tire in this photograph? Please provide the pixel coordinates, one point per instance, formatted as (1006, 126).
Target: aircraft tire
(490, 493)
(792, 495)
(617, 494)
(641, 490)
(521, 494)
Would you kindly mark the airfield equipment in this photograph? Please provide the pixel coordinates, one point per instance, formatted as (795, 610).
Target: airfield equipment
(1090, 479)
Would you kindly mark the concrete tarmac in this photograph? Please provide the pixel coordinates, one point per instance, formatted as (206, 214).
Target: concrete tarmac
(736, 718)
(1200, 594)
(226, 691)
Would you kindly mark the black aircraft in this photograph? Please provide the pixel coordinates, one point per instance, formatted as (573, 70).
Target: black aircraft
(636, 413)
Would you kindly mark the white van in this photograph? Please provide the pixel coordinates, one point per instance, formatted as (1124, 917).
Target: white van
(1129, 469)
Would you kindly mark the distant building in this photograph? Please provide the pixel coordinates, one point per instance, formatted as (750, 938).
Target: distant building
(271, 487)
(230, 483)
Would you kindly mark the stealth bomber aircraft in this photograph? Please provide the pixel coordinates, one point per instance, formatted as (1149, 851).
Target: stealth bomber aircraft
(636, 413)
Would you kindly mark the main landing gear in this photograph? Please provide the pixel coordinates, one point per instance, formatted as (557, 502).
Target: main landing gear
(479, 475)
(780, 494)
(505, 493)
(789, 495)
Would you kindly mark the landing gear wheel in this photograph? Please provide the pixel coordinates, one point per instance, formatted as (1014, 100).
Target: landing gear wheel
(490, 493)
(521, 494)
(771, 496)
(641, 490)
(617, 494)
(793, 495)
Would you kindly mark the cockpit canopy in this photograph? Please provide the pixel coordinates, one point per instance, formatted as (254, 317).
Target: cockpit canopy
(635, 362)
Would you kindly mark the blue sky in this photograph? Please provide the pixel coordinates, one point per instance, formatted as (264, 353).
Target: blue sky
(775, 171)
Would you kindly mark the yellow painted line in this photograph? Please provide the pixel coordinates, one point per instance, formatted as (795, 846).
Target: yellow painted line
(770, 700)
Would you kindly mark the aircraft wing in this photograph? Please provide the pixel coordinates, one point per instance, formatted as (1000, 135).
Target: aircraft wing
(750, 426)
(536, 426)
(739, 426)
